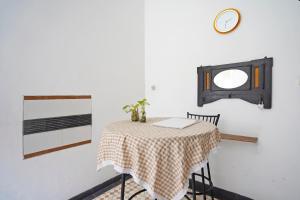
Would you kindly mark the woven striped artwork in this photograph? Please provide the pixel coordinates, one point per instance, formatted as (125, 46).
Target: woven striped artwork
(52, 123)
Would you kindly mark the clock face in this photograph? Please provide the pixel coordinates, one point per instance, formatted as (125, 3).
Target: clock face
(227, 20)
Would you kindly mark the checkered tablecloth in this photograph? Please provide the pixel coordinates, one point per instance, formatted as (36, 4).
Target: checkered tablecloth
(159, 159)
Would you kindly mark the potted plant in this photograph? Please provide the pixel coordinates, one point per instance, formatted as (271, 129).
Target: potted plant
(134, 109)
(143, 103)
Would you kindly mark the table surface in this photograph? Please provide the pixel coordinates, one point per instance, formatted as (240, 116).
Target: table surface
(159, 159)
(147, 130)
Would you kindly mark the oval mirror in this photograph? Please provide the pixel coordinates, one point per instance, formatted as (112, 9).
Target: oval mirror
(231, 78)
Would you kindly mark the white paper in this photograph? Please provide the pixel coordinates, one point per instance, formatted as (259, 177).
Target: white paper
(179, 123)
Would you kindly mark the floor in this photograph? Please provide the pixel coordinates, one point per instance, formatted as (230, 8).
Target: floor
(131, 188)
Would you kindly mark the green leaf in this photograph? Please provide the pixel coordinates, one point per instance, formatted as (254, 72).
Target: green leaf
(125, 107)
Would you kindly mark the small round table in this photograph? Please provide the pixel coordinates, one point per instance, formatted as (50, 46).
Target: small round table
(159, 159)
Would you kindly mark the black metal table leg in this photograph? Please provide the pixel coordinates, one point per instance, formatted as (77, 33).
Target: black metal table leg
(122, 186)
(209, 177)
(203, 181)
(143, 190)
(193, 186)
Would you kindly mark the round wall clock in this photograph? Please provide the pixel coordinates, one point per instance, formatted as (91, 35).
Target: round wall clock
(227, 20)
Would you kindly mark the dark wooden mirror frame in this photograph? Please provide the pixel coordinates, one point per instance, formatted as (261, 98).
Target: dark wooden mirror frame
(257, 89)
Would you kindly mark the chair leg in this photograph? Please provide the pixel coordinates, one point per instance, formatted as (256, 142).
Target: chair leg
(122, 186)
(203, 182)
(193, 186)
(210, 182)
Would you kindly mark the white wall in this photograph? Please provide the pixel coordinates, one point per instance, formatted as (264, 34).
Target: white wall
(180, 37)
(65, 47)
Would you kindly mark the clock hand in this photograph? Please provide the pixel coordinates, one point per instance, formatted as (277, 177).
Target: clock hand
(228, 20)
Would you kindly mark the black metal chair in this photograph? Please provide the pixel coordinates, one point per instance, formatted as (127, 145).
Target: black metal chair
(213, 119)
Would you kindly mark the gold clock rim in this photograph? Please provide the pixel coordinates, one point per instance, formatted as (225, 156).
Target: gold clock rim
(225, 10)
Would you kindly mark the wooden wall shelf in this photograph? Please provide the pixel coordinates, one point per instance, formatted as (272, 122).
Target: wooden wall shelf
(240, 138)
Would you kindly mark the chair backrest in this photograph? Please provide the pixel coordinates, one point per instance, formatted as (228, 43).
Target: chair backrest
(209, 118)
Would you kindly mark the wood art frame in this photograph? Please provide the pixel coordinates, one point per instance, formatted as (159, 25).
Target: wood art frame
(54, 123)
(257, 89)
